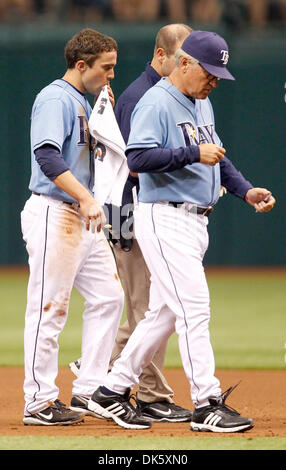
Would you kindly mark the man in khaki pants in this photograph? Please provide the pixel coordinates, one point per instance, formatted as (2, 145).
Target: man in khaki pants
(154, 398)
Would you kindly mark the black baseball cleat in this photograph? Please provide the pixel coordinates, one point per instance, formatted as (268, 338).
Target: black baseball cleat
(218, 417)
(55, 415)
(80, 403)
(163, 411)
(75, 366)
(118, 408)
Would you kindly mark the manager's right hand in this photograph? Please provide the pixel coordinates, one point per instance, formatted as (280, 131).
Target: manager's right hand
(211, 154)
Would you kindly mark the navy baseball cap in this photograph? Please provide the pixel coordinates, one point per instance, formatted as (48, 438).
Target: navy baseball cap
(210, 50)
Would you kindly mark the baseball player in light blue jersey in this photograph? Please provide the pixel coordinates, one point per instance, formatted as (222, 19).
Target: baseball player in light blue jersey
(61, 111)
(176, 151)
(185, 123)
(61, 225)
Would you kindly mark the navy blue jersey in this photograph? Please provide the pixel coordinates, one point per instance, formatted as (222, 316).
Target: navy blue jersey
(130, 97)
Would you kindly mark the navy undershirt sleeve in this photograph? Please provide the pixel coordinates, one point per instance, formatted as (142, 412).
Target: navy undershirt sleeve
(161, 160)
(233, 180)
(158, 160)
(51, 161)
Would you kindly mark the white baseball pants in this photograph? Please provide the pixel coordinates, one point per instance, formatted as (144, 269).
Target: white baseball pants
(63, 254)
(173, 242)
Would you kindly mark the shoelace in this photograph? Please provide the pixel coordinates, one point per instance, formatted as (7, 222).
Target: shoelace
(224, 396)
(133, 408)
(133, 397)
(59, 405)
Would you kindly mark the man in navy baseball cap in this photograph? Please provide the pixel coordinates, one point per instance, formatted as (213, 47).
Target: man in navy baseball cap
(210, 50)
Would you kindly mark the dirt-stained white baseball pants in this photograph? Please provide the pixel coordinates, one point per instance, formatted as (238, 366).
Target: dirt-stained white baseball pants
(63, 254)
(173, 242)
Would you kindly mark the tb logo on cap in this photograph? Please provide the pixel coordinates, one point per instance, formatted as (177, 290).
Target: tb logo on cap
(224, 57)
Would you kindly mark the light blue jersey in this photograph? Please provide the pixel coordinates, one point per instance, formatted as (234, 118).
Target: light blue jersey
(164, 117)
(60, 117)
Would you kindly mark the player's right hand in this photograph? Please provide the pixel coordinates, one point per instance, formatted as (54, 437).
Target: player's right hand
(211, 154)
(93, 214)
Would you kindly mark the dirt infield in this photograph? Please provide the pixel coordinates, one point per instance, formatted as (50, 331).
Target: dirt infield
(260, 395)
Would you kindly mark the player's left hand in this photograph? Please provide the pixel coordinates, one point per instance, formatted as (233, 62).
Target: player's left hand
(261, 199)
(111, 95)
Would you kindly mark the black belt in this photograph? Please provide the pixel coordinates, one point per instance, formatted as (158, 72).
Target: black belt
(193, 208)
(65, 202)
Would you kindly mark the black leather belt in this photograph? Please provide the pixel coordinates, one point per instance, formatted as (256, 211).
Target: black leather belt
(193, 208)
(65, 202)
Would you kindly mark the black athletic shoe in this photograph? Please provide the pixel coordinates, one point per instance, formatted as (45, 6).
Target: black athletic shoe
(217, 417)
(163, 411)
(118, 408)
(75, 366)
(56, 414)
(80, 403)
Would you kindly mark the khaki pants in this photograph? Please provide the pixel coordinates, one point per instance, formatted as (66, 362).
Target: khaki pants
(135, 278)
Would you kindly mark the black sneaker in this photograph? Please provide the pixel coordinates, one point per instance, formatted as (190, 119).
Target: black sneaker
(163, 411)
(75, 366)
(217, 417)
(80, 403)
(55, 414)
(118, 408)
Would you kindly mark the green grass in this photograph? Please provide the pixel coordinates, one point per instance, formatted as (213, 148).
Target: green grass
(248, 330)
(139, 443)
(248, 321)
(248, 324)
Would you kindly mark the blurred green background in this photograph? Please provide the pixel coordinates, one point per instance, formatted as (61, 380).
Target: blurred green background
(248, 321)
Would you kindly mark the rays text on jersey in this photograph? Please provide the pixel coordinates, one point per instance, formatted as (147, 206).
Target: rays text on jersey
(197, 135)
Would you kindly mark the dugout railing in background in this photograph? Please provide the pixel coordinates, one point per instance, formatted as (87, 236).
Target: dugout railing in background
(250, 119)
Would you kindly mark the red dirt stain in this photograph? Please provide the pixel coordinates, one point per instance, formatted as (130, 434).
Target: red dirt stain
(47, 307)
(60, 312)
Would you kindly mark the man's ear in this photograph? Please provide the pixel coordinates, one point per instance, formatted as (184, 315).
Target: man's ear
(184, 62)
(161, 54)
(81, 65)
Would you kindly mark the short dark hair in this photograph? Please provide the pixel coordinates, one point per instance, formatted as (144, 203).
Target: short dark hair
(87, 45)
(168, 36)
